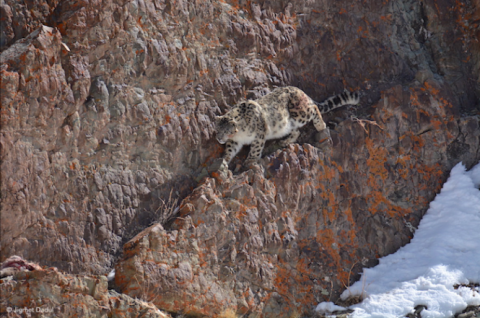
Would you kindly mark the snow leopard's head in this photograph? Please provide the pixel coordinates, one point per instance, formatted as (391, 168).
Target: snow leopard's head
(225, 127)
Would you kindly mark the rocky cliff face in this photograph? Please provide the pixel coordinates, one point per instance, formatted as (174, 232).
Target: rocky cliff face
(49, 293)
(108, 105)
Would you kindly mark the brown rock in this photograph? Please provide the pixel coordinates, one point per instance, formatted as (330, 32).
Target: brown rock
(279, 245)
(50, 293)
(106, 106)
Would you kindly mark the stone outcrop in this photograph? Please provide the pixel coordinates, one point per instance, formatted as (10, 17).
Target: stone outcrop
(50, 293)
(106, 106)
(290, 233)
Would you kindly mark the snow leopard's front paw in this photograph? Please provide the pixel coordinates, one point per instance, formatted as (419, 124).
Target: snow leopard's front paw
(250, 162)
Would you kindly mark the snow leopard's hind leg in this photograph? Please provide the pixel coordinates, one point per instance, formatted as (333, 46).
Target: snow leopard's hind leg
(323, 133)
(318, 122)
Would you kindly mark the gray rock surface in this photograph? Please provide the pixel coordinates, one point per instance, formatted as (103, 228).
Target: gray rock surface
(106, 106)
(291, 232)
(50, 293)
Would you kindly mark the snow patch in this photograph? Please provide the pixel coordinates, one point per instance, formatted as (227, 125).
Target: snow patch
(435, 268)
(111, 275)
(328, 308)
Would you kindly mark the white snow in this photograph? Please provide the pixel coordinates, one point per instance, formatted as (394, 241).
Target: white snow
(445, 251)
(328, 308)
(111, 275)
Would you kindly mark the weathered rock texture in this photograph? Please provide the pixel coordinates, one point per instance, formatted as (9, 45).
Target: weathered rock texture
(49, 293)
(275, 241)
(106, 106)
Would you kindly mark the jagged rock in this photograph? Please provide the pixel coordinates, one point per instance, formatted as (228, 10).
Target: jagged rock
(107, 106)
(269, 241)
(14, 264)
(50, 293)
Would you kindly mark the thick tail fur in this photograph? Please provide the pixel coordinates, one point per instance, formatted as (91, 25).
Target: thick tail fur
(345, 98)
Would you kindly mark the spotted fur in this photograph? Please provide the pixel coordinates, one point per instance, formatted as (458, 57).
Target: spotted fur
(278, 114)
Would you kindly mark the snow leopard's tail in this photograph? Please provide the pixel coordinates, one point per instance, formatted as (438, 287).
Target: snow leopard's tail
(345, 98)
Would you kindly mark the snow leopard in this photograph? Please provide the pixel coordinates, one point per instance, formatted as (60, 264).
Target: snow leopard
(276, 115)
